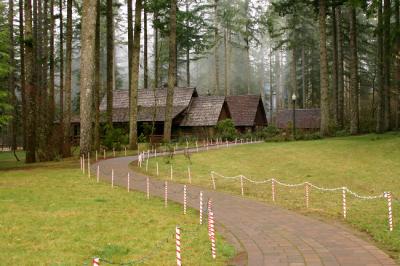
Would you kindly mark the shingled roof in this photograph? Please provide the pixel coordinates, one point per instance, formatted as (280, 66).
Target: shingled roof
(243, 109)
(204, 111)
(149, 97)
(305, 118)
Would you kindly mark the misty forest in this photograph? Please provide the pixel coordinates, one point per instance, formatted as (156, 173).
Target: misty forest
(59, 59)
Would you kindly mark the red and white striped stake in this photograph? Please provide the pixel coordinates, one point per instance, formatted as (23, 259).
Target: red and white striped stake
(129, 182)
(209, 206)
(390, 214)
(172, 172)
(104, 154)
(307, 194)
(112, 178)
(148, 188)
(96, 156)
(213, 180)
(344, 202)
(98, 173)
(157, 168)
(212, 236)
(241, 185)
(189, 175)
(273, 189)
(83, 163)
(201, 207)
(96, 262)
(178, 246)
(166, 194)
(184, 199)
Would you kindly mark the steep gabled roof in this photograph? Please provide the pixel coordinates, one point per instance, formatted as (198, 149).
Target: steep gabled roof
(204, 111)
(243, 108)
(149, 97)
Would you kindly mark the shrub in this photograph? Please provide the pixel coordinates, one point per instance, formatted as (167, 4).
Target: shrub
(115, 138)
(226, 129)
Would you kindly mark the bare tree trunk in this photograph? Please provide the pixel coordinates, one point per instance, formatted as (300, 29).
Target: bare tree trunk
(386, 60)
(97, 82)
(61, 69)
(271, 91)
(145, 49)
(187, 50)
(334, 93)
(110, 61)
(172, 69)
(30, 86)
(397, 73)
(88, 36)
(354, 93)
(216, 46)
(303, 78)
(278, 80)
(226, 62)
(67, 83)
(22, 69)
(130, 40)
(52, 106)
(135, 76)
(11, 78)
(156, 76)
(380, 117)
(323, 70)
(293, 81)
(340, 70)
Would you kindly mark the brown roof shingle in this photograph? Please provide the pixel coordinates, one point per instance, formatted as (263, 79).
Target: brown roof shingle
(149, 97)
(305, 118)
(204, 111)
(243, 109)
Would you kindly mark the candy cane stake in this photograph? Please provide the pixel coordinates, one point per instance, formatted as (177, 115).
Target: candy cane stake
(273, 189)
(241, 185)
(148, 188)
(307, 192)
(96, 262)
(344, 202)
(189, 175)
(83, 163)
(389, 198)
(178, 246)
(184, 199)
(98, 173)
(201, 207)
(166, 195)
(213, 180)
(112, 178)
(213, 249)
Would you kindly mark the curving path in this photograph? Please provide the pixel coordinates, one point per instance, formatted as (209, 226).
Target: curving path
(262, 234)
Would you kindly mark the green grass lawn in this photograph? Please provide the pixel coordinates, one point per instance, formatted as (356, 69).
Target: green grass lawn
(367, 165)
(53, 215)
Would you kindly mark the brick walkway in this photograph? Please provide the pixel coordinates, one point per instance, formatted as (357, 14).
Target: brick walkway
(261, 233)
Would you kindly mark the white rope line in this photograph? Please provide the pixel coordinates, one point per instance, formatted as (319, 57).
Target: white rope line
(242, 177)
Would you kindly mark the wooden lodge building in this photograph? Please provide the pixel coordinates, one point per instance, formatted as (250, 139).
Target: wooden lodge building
(193, 115)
